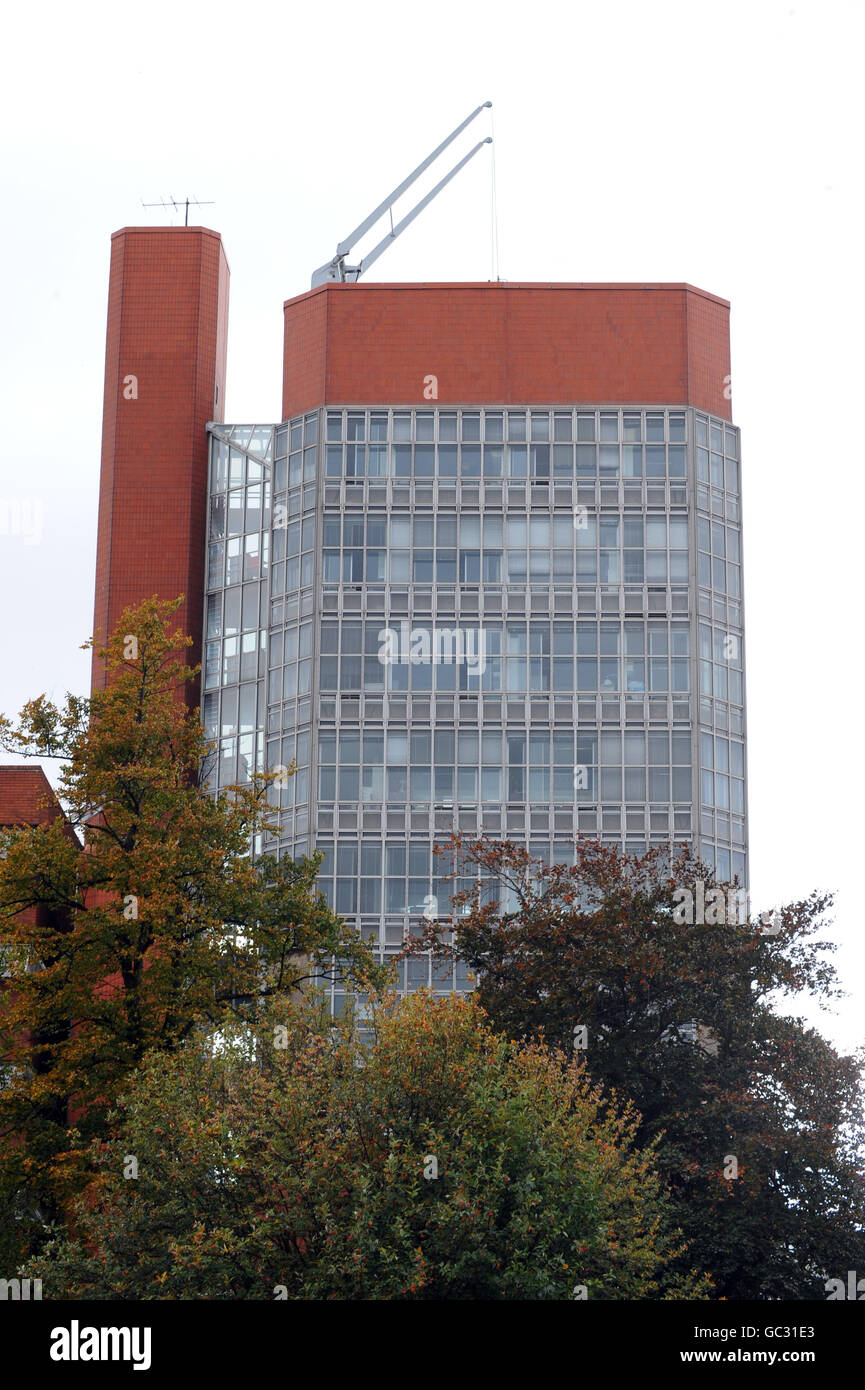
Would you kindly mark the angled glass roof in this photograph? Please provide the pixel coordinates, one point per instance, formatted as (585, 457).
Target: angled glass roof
(253, 439)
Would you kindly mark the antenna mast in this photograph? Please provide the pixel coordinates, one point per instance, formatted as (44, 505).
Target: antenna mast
(336, 269)
(185, 203)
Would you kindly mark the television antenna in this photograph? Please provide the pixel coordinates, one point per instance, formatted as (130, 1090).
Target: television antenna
(336, 269)
(183, 203)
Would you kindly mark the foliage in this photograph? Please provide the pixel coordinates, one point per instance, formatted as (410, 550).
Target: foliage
(681, 1020)
(137, 914)
(423, 1157)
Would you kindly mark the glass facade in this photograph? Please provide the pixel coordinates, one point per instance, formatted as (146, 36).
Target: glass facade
(522, 622)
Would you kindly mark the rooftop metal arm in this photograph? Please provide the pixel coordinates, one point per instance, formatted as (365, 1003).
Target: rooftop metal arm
(336, 269)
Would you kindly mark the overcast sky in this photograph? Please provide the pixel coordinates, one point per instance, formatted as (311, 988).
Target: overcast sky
(719, 144)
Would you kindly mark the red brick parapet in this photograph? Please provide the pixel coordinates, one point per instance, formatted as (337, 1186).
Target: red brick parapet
(499, 343)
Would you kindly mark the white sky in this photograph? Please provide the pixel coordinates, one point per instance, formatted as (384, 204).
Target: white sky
(718, 144)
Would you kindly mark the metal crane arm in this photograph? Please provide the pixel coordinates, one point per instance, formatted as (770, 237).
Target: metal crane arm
(336, 269)
(409, 217)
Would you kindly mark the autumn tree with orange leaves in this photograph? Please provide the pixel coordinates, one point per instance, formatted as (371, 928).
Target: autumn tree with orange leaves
(151, 916)
(420, 1157)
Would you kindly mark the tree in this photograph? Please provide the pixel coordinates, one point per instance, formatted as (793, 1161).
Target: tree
(420, 1156)
(759, 1121)
(152, 914)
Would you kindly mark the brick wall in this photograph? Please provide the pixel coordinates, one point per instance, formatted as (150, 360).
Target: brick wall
(26, 797)
(503, 344)
(167, 329)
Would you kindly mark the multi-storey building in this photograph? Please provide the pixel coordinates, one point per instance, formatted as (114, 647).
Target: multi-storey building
(485, 574)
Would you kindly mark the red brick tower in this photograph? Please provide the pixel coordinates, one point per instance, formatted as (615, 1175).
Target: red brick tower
(164, 379)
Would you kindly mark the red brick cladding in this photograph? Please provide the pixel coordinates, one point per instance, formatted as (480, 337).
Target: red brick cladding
(26, 797)
(506, 344)
(167, 327)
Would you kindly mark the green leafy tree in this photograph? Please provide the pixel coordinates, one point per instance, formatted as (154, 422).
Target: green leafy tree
(419, 1157)
(145, 912)
(759, 1121)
